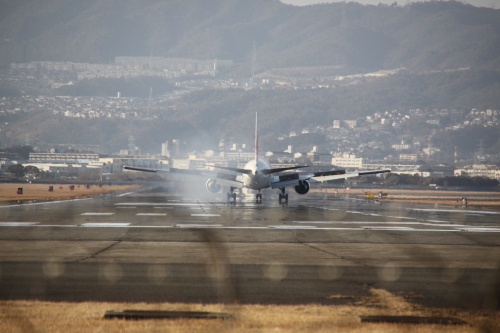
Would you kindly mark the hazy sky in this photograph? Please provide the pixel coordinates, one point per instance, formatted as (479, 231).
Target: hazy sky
(478, 3)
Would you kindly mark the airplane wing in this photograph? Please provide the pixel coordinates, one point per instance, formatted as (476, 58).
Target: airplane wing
(341, 174)
(294, 179)
(222, 178)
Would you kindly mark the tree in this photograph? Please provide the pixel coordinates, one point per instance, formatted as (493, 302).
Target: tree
(16, 169)
(31, 171)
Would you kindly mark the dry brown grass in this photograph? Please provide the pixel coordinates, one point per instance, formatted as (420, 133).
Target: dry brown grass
(423, 196)
(8, 192)
(36, 316)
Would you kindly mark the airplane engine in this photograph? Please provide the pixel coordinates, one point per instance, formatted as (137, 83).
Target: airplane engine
(302, 188)
(212, 186)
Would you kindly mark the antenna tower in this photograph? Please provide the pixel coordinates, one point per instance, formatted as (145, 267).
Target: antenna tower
(254, 59)
(150, 100)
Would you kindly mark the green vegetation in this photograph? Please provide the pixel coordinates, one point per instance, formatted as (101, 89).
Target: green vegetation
(16, 169)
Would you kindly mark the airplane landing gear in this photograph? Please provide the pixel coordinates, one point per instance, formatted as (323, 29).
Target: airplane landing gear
(258, 197)
(231, 196)
(283, 198)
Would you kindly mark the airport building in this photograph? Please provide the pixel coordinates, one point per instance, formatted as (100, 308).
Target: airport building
(347, 160)
(479, 170)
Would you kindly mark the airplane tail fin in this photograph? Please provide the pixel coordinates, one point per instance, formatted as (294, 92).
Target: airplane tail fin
(256, 140)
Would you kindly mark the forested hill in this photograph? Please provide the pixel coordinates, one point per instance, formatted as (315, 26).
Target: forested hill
(420, 36)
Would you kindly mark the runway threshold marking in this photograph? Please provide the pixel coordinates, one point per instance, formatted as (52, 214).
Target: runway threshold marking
(97, 214)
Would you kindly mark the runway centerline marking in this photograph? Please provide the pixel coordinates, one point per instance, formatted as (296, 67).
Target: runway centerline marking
(97, 214)
(150, 214)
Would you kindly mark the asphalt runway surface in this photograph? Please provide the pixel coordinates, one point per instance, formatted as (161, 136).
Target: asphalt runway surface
(156, 246)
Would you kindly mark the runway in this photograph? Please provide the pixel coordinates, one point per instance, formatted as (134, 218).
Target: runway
(154, 246)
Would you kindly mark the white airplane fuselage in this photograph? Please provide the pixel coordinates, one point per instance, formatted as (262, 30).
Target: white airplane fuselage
(256, 180)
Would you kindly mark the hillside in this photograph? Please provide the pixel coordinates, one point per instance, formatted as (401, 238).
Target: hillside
(420, 36)
(202, 118)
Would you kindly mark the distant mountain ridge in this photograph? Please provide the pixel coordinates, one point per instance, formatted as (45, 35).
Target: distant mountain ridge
(420, 36)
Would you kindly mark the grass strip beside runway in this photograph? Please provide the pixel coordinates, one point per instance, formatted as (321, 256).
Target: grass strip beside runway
(31, 316)
(8, 192)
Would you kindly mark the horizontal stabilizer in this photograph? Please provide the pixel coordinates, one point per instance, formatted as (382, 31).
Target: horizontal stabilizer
(245, 171)
(269, 171)
(143, 169)
(187, 171)
(373, 172)
(329, 173)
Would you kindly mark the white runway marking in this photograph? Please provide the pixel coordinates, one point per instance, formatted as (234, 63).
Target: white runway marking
(198, 225)
(403, 217)
(388, 228)
(161, 207)
(124, 194)
(17, 224)
(454, 211)
(481, 229)
(97, 214)
(43, 203)
(159, 204)
(106, 225)
(205, 215)
(445, 225)
(357, 222)
(286, 227)
(291, 227)
(150, 214)
(437, 221)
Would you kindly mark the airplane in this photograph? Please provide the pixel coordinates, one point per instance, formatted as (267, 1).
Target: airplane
(258, 175)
